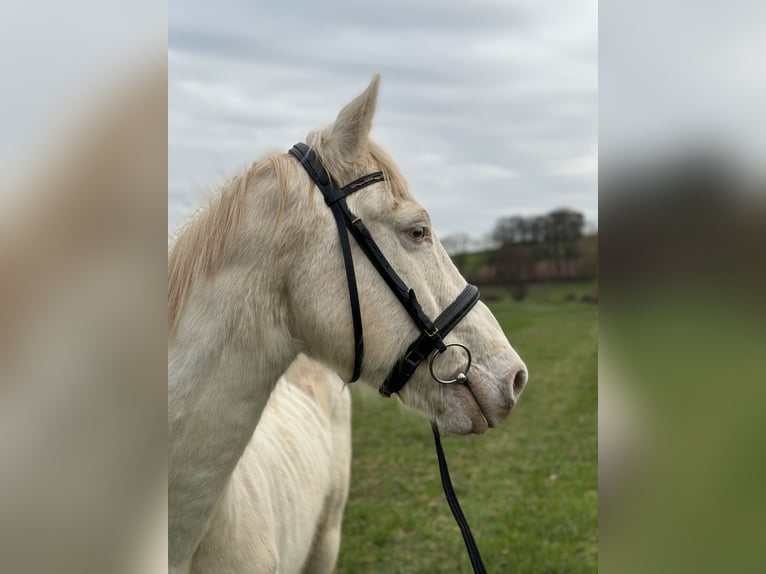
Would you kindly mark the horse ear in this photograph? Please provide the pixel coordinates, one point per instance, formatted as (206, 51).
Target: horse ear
(352, 126)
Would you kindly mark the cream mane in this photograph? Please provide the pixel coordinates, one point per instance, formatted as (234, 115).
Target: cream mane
(202, 245)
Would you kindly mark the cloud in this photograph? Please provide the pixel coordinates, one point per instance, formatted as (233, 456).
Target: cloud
(490, 108)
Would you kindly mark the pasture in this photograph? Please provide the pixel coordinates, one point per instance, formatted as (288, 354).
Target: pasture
(528, 487)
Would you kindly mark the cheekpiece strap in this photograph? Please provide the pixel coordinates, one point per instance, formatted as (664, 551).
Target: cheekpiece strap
(322, 179)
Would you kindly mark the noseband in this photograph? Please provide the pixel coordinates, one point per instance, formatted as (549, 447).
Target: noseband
(432, 333)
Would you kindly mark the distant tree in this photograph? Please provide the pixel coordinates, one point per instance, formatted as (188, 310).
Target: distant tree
(514, 263)
(510, 230)
(563, 236)
(539, 233)
(553, 238)
(512, 258)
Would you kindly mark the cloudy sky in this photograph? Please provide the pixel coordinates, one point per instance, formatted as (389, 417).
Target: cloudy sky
(490, 107)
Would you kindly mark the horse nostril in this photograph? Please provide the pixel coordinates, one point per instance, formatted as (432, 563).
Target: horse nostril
(519, 381)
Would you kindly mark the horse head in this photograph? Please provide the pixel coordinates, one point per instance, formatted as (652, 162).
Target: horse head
(316, 284)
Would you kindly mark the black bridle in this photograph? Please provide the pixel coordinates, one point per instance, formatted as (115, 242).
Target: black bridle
(432, 333)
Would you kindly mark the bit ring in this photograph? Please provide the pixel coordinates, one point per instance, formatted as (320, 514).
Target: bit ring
(460, 377)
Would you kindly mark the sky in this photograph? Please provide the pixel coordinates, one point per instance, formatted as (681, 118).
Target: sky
(489, 107)
(682, 76)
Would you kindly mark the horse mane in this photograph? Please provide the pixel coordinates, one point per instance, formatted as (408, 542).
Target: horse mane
(202, 245)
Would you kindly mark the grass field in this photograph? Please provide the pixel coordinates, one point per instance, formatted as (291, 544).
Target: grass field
(528, 487)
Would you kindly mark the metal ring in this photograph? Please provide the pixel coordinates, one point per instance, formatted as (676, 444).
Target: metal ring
(460, 377)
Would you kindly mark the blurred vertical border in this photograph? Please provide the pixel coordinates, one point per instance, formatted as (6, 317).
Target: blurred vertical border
(683, 330)
(82, 281)
(83, 170)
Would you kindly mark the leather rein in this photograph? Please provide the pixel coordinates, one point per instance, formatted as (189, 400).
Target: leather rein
(430, 342)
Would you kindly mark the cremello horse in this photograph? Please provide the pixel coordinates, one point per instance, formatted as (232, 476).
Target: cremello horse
(257, 278)
(289, 489)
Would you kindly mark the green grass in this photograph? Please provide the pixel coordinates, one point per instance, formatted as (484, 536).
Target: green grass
(528, 487)
(553, 292)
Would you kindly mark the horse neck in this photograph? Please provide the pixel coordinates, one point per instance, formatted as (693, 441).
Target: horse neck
(229, 348)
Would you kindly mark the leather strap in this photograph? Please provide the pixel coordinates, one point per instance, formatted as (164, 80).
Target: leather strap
(356, 185)
(425, 345)
(432, 332)
(332, 196)
(353, 294)
(405, 295)
(454, 506)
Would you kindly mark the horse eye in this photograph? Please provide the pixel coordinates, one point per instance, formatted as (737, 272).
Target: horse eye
(418, 233)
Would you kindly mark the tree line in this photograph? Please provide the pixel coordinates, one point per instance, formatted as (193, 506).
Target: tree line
(548, 247)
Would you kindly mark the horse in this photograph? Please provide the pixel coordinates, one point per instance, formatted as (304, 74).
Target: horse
(257, 277)
(290, 487)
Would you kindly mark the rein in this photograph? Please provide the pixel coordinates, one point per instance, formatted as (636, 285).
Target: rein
(454, 506)
(429, 343)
